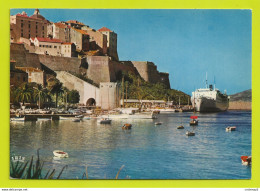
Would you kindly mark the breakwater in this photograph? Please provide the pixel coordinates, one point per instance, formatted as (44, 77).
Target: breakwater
(240, 105)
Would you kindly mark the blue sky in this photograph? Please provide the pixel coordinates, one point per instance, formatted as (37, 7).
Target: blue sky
(184, 43)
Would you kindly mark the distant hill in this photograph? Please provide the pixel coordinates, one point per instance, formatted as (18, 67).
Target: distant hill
(245, 96)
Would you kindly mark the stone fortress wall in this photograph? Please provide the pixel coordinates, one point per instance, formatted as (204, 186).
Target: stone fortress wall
(97, 68)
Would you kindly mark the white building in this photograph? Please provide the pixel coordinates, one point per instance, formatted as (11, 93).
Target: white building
(68, 49)
(47, 46)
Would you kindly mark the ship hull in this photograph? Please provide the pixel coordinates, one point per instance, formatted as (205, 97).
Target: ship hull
(210, 105)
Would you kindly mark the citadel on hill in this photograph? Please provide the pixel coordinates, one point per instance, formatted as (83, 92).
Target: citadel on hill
(72, 51)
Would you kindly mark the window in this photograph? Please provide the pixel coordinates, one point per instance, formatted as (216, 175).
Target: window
(55, 46)
(29, 36)
(29, 25)
(24, 78)
(42, 27)
(40, 45)
(21, 34)
(21, 24)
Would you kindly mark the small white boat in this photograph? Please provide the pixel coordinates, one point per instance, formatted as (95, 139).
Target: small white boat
(164, 110)
(86, 118)
(17, 119)
(44, 119)
(76, 120)
(189, 133)
(104, 121)
(246, 160)
(60, 154)
(80, 116)
(158, 123)
(65, 118)
(231, 128)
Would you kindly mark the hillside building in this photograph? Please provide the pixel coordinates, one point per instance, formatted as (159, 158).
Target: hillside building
(34, 74)
(28, 27)
(17, 76)
(97, 40)
(80, 38)
(111, 42)
(61, 32)
(47, 46)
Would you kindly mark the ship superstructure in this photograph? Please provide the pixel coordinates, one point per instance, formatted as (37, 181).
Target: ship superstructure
(209, 99)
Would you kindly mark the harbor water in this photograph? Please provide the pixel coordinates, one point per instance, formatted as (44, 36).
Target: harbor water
(147, 151)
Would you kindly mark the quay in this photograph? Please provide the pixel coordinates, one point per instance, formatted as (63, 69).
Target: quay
(33, 117)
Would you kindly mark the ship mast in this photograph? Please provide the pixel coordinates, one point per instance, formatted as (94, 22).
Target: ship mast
(206, 80)
(214, 83)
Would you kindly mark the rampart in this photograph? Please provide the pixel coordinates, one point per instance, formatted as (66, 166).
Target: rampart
(22, 57)
(57, 63)
(148, 71)
(97, 68)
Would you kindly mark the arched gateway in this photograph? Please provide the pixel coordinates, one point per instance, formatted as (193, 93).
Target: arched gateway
(91, 102)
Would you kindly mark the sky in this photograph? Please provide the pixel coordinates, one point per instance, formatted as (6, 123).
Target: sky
(185, 43)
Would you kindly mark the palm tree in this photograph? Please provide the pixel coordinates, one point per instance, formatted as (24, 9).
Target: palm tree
(40, 92)
(24, 93)
(55, 88)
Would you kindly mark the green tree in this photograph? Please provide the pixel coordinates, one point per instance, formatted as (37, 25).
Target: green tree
(40, 94)
(24, 93)
(73, 96)
(55, 88)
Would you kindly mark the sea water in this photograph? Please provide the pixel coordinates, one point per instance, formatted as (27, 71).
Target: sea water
(147, 151)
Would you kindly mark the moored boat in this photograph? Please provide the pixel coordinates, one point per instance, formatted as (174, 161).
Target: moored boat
(60, 154)
(180, 127)
(80, 116)
(17, 119)
(194, 120)
(233, 128)
(65, 118)
(104, 121)
(76, 120)
(158, 123)
(126, 126)
(44, 119)
(189, 133)
(246, 160)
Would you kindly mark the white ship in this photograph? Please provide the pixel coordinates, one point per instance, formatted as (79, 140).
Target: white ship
(209, 99)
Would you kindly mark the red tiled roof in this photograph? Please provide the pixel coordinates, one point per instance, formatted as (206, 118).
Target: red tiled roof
(81, 31)
(75, 22)
(48, 40)
(104, 29)
(30, 69)
(60, 25)
(21, 15)
(70, 43)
